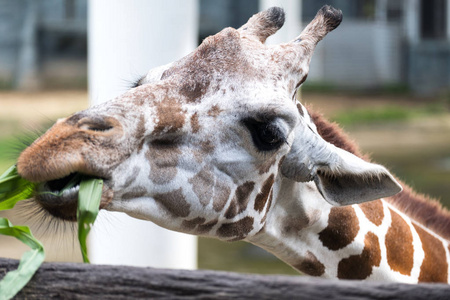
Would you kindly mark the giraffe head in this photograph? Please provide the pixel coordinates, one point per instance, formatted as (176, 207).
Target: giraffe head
(203, 144)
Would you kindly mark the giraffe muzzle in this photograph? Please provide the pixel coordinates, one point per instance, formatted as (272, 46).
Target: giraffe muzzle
(56, 161)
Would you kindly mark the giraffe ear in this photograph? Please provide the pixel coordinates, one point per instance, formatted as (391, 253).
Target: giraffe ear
(341, 177)
(350, 180)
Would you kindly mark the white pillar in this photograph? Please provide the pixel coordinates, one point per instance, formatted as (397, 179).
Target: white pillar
(126, 39)
(293, 24)
(380, 40)
(26, 77)
(448, 20)
(411, 20)
(381, 11)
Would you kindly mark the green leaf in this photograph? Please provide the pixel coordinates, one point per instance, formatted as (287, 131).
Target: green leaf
(15, 280)
(89, 197)
(14, 188)
(11, 172)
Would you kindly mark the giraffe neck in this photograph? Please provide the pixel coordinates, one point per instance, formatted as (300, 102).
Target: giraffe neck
(371, 241)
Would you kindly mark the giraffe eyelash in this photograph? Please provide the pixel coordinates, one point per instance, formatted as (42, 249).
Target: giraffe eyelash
(137, 82)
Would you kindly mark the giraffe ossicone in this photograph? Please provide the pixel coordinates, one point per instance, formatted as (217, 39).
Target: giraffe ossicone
(215, 144)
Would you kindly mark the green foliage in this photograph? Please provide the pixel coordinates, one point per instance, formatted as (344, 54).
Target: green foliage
(13, 189)
(385, 114)
(394, 89)
(89, 198)
(30, 262)
(318, 87)
(372, 115)
(6, 84)
(323, 87)
(6, 153)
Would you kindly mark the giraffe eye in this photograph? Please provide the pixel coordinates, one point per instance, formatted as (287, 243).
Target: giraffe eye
(265, 135)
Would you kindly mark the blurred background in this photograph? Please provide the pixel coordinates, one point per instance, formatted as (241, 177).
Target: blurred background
(384, 75)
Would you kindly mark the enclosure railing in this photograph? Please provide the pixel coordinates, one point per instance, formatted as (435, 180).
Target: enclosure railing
(83, 281)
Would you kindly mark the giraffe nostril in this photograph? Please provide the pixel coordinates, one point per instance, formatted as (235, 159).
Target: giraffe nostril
(98, 124)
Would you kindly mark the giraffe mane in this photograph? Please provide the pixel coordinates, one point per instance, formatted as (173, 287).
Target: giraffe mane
(421, 208)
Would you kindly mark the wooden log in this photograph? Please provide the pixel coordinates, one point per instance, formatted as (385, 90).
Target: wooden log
(82, 281)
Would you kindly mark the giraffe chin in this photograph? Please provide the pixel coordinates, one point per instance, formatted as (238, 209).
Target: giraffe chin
(63, 205)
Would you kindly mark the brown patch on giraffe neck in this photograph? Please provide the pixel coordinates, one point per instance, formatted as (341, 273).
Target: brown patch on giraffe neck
(208, 187)
(360, 266)
(202, 185)
(174, 203)
(237, 230)
(434, 266)
(240, 200)
(293, 225)
(263, 195)
(191, 224)
(343, 226)
(311, 265)
(373, 211)
(232, 210)
(198, 225)
(420, 208)
(163, 157)
(425, 211)
(207, 227)
(221, 194)
(265, 167)
(170, 116)
(399, 245)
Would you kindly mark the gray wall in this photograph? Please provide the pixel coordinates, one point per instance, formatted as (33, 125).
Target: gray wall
(36, 33)
(429, 67)
(12, 17)
(359, 54)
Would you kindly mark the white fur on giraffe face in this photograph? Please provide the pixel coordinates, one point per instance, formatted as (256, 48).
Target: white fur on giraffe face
(229, 165)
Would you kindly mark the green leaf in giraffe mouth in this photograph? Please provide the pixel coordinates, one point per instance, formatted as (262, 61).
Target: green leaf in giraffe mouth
(13, 189)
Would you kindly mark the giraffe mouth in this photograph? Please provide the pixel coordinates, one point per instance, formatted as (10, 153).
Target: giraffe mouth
(59, 197)
(61, 185)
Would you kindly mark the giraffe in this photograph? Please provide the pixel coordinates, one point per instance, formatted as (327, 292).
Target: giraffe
(216, 144)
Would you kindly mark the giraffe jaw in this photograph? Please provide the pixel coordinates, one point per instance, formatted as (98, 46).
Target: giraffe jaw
(62, 203)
